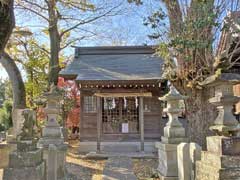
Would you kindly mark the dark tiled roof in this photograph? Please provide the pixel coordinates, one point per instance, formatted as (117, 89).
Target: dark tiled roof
(114, 63)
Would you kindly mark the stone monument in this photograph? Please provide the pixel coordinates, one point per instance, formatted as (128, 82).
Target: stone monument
(174, 134)
(221, 160)
(188, 154)
(52, 136)
(18, 120)
(27, 161)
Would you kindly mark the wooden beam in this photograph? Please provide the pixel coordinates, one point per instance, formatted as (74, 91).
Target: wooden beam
(123, 94)
(141, 122)
(99, 123)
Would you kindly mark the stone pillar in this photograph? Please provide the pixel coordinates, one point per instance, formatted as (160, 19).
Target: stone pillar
(174, 134)
(184, 162)
(221, 160)
(52, 162)
(27, 161)
(52, 135)
(188, 154)
(17, 120)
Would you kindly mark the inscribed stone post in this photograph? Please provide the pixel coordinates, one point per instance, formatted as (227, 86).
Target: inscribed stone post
(195, 155)
(184, 161)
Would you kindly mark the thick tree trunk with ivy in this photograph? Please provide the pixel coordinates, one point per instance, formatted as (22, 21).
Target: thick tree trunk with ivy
(187, 36)
(6, 26)
(200, 116)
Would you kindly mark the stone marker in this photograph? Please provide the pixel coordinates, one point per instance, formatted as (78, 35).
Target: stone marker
(184, 161)
(195, 155)
(174, 134)
(17, 120)
(52, 162)
(188, 154)
(221, 160)
(27, 161)
(52, 135)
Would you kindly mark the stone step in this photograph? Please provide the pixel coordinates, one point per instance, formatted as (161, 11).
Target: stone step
(105, 155)
(120, 148)
(116, 147)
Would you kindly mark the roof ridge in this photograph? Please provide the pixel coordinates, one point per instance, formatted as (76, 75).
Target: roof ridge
(109, 50)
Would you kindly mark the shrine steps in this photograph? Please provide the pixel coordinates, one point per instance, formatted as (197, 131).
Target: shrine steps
(117, 147)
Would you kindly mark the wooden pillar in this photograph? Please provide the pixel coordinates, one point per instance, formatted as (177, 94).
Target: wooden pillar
(141, 122)
(99, 122)
(81, 115)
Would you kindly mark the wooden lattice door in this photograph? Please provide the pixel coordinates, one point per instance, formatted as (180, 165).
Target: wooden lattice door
(120, 115)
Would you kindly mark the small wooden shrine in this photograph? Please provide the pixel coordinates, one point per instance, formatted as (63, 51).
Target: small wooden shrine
(119, 90)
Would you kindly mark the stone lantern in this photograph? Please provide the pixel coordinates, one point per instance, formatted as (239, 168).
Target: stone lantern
(174, 134)
(224, 99)
(174, 131)
(52, 132)
(223, 149)
(52, 140)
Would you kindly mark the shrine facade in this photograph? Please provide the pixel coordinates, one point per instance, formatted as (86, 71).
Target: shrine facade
(119, 90)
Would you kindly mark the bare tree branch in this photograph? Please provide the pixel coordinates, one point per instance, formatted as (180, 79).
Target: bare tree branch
(87, 21)
(36, 5)
(71, 42)
(21, 6)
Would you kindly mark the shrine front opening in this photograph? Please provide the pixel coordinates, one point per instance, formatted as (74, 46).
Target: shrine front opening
(120, 115)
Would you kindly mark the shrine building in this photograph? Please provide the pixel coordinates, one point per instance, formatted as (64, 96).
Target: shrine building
(119, 89)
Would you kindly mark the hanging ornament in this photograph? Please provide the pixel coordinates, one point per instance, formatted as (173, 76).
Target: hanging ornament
(105, 103)
(125, 102)
(136, 102)
(113, 103)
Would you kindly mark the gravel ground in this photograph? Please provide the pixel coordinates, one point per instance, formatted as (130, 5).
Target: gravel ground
(145, 169)
(82, 168)
(85, 169)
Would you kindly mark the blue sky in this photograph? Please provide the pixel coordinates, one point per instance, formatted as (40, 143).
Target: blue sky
(124, 29)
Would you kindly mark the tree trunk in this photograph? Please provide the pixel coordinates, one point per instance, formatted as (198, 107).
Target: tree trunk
(19, 95)
(54, 43)
(7, 22)
(200, 116)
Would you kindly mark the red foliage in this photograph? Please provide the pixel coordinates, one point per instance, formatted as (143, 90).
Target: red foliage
(71, 92)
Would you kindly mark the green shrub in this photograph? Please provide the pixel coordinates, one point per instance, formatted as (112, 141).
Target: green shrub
(5, 115)
(2, 128)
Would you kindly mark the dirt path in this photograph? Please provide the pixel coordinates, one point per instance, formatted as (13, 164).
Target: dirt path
(82, 168)
(85, 169)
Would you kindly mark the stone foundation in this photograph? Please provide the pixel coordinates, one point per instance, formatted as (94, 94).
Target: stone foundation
(221, 161)
(214, 167)
(25, 165)
(5, 150)
(167, 154)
